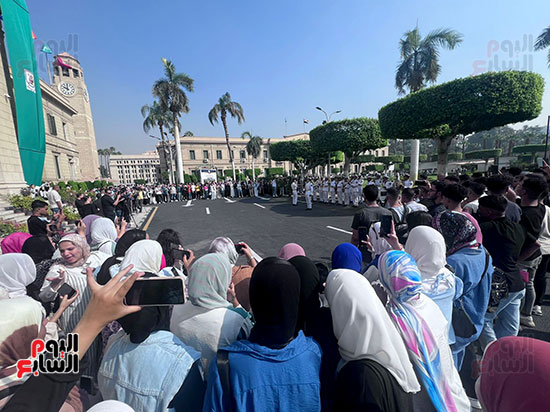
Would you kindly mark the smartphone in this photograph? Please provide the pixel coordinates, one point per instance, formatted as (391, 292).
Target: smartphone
(385, 225)
(156, 291)
(363, 233)
(66, 290)
(239, 247)
(180, 253)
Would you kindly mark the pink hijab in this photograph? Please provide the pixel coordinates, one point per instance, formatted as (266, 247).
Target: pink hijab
(14, 243)
(515, 375)
(291, 250)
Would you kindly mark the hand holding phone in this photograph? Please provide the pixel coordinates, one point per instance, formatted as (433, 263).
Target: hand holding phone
(66, 290)
(386, 225)
(156, 291)
(178, 254)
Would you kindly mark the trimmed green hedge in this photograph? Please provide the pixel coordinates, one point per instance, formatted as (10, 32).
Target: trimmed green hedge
(529, 148)
(273, 171)
(257, 171)
(389, 159)
(464, 106)
(364, 159)
(375, 168)
(421, 158)
(483, 154)
(452, 156)
(335, 170)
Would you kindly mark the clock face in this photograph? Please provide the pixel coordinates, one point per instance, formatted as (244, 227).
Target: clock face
(67, 89)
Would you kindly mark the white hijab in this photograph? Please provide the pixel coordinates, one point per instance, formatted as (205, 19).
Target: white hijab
(364, 329)
(427, 246)
(379, 244)
(145, 255)
(17, 271)
(225, 246)
(103, 231)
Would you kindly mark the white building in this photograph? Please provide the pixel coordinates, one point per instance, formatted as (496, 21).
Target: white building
(126, 169)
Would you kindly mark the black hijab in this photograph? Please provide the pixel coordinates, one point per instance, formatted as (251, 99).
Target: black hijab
(39, 248)
(274, 299)
(139, 325)
(310, 286)
(123, 244)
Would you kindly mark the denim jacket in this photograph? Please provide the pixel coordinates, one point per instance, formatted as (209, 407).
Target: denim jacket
(147, 375)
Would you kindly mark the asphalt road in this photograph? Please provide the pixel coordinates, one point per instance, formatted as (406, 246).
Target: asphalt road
(267, 224)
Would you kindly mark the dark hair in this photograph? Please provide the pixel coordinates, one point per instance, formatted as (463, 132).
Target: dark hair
(393, 192)
(168, 238)
(439, 186)
(514, 171)
(464, 178)
(498, 184)
(418, 218)
(477, 188)
(38, 204)
(371, 193)
(323, 271)
(455, 192)
(477, 174)
(454, 179)
(127, 240)
(535, 186)
(494, 202)
(482, 180)
(408, 194)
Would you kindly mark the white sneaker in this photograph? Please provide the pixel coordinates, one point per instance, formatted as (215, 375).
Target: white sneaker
(537, 310)
(527, 321)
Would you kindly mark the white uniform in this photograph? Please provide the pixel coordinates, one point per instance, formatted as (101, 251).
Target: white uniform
(315, 188)
(340, 191)
(347, 193)
(294, 187)
(408, 183)
(333, 192)
(324, 196)
(274, 187)
(309, 193)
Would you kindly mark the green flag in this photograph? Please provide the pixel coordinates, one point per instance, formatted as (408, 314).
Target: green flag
(28, 98)
(46, 49)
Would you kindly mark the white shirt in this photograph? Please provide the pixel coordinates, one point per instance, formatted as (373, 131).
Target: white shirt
(408, 183)
(309, 187)
(294, 186)
(53, 198)
(415, 207)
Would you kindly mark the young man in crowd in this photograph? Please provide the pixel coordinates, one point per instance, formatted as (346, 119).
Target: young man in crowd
(370, 212)
(475, 191)
(108, 204)
(504, 240)
(452, 197)
(434, 201)
(54, 199)
(499, 185)
(407, 198)
(39, 224)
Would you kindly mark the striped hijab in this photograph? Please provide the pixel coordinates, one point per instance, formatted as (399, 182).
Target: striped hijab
(401, 278)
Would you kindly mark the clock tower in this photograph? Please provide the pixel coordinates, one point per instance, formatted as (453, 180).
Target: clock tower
(68, 79)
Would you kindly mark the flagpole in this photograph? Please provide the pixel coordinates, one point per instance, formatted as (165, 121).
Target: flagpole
(50, 78)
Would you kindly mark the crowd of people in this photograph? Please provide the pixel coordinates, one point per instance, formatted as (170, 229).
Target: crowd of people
(392, 325)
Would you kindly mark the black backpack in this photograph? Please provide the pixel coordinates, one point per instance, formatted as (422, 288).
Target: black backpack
(401, 228)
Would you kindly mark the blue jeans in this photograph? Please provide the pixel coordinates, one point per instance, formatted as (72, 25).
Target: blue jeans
(504, 321)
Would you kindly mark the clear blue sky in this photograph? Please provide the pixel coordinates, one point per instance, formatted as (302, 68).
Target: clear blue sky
(279, 59)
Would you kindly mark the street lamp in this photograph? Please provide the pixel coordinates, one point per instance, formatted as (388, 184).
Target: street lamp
(327, 119)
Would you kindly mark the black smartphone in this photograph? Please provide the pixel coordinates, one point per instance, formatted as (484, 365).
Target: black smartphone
(156, 291)
(180, 253)
(239, 248)
(66, 290)
(363, 233)
(385, 225)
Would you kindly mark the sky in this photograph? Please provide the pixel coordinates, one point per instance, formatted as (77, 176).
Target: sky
(278, 59)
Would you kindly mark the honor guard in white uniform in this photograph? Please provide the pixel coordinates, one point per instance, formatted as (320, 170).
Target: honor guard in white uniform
(309, 194)
(340, 191)
(333, 191)
(315, 188)
(324, 196)
(347, 192)
(294, 186)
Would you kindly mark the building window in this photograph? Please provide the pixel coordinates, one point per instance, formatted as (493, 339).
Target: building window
(76, 73)
(57, 169)
(51, 125)
(205, 154)
(65, 71)
(192, 154)
(219, 154)
(266, 158)
(243, 154)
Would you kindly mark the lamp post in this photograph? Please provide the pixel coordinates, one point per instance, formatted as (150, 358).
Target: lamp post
(171, 173)
(547, 134)
(327, 119)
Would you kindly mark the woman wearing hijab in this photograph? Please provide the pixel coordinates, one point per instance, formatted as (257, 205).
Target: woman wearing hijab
(316, 321)
(148, 367)
(145, 255)
(240, 274)
(290, 250)
(208, 321)
(88, 220)
(473, 266)
(273, 370)
(425, 332)
(375, 373)
(41, 250)
(427, 246)
(14, 243)
(514, 375)
(347, 256)
(104, 235)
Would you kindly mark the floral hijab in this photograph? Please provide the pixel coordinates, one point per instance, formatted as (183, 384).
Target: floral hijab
(457, 230)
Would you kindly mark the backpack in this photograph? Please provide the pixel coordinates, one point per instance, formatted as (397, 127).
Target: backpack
(401, 228)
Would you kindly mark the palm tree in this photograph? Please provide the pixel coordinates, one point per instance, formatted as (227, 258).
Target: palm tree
(221, 109)
(420, 65)
(543, 41)
(157, 116)
(170, 91)
(420, 57)
(253, 148)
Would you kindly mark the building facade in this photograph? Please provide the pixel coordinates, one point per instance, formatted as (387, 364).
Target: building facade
(126, 169)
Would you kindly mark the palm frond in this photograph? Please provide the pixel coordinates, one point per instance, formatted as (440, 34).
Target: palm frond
(184, 81)
(246, 135)
(213, 114)
(236, 110)
(543, 41)
(402, 75)
(447, 38)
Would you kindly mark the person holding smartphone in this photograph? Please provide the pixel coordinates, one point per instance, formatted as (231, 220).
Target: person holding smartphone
(371, 212)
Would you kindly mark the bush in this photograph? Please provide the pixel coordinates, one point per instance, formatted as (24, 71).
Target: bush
(451, 156)
(529, 148)
(62, 185)
(73, 185)
(257, 171)
(483, 154)
(23, 202)
(273, 171)
(144, 181)
(83, 187)
(375, 168)
(335, 170)
(363, 159)
(71, 214)
(421, 158)
(389, 159)
(9, 227)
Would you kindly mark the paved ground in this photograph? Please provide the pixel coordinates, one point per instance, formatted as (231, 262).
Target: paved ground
(267, 224)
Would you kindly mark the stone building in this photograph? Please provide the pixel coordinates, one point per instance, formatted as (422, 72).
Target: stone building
(126, 169)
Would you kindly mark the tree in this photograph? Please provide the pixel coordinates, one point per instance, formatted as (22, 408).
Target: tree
(109, 151)
(188, 133)
(253, 148)
(486, 155)
(531, 150)
(156, 115)
(543, 42)
(220, 110)
(351, 136)
(299, 152)
(463, 106)
(170, 90)
(420, 57)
